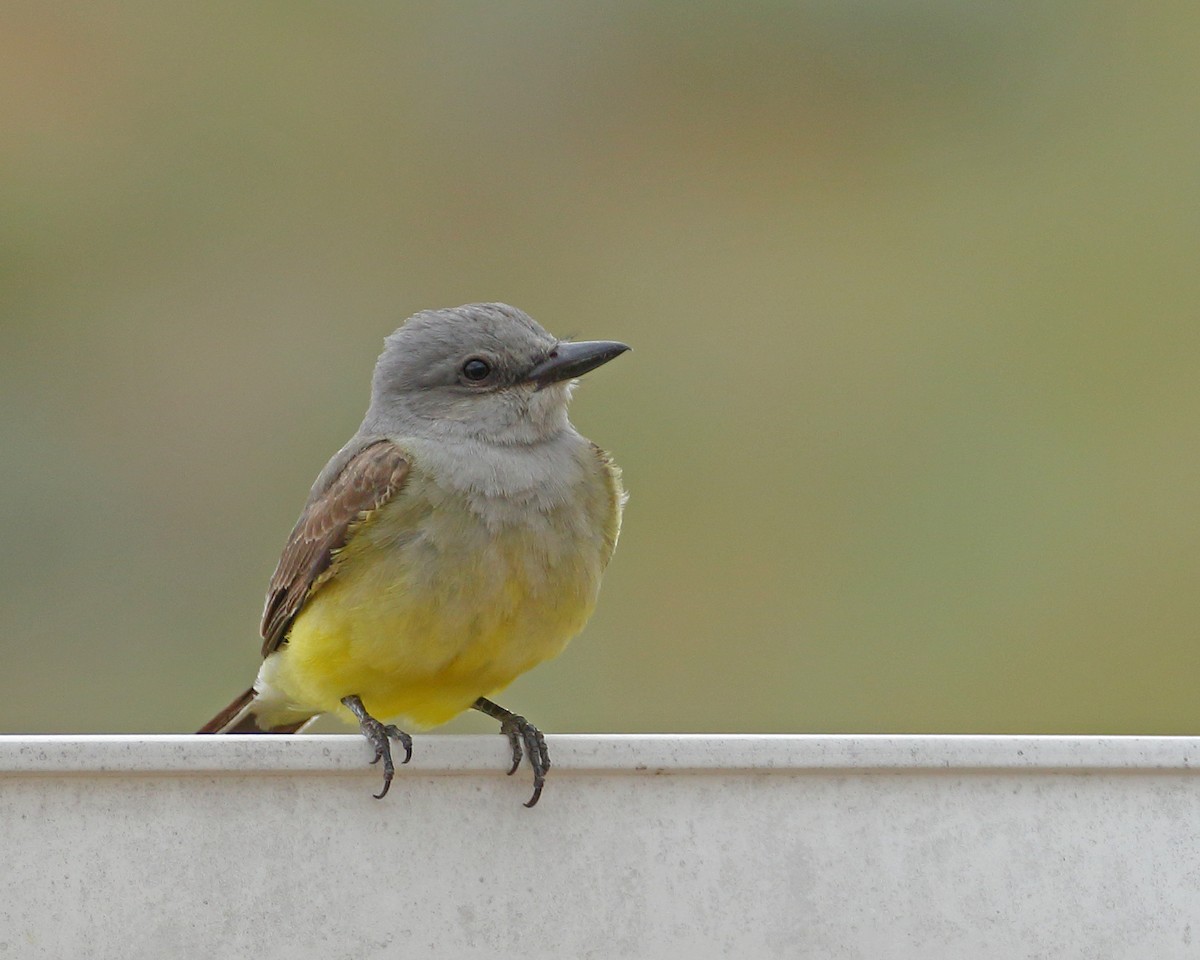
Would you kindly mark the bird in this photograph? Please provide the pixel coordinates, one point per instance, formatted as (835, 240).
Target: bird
(456, 541)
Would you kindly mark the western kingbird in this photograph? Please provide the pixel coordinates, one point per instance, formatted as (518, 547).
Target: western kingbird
(456, 541)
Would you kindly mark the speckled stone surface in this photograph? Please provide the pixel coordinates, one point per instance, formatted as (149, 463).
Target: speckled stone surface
(656, 847)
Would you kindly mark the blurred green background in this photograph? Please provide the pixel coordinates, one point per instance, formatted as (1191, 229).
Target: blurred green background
(910, 427)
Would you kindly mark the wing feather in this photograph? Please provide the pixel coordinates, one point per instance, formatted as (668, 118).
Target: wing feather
(369, 480)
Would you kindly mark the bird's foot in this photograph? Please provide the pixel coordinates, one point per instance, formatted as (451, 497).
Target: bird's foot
(522, 733)
(525, 739)
(380, 735)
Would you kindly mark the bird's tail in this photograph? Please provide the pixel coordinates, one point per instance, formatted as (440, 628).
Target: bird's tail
(241, 717)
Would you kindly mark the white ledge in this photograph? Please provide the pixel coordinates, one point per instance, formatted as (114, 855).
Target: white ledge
(845, 847)
(656, 754)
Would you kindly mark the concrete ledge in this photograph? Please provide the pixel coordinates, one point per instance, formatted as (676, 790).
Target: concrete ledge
(643, 846)
(631, 754)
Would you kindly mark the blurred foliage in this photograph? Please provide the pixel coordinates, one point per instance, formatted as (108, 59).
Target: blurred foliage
(910, 425)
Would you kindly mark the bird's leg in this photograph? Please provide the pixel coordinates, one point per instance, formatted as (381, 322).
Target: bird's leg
(525, 739)
(379, 736)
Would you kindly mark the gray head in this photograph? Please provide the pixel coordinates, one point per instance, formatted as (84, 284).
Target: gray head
(483, 371)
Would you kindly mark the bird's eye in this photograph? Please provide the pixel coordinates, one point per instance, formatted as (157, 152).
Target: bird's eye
(476, 369)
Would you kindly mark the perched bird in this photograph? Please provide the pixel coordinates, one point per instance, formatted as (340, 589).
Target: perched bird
(456, 540)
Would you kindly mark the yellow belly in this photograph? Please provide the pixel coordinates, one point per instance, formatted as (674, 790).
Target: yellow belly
(429, 609)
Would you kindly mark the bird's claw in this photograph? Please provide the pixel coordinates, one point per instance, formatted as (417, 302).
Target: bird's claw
(527, 740)
(379, 736)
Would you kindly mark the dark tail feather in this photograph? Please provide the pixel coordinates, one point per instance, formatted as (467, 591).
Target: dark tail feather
(239, 718)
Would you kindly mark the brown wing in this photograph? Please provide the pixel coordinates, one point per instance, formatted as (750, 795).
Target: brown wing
(368, 481)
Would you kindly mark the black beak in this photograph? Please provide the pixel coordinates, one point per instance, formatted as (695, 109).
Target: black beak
(569, 360)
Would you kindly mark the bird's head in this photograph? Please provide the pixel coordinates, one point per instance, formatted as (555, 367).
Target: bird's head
(484, 371)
